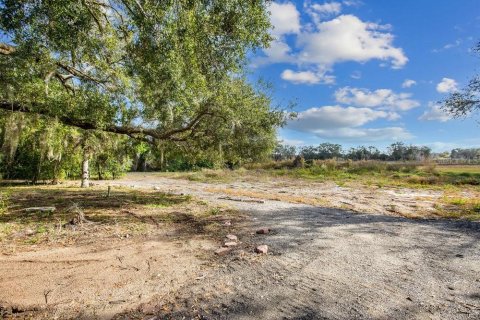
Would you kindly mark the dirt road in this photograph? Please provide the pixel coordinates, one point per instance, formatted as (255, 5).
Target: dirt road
(334, 253)
(329, 263)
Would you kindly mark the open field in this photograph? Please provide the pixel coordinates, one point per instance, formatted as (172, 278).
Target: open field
(459, 186)
(350, 251)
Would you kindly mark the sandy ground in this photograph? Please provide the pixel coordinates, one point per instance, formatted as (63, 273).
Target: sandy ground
(356, 257)
(96, 281)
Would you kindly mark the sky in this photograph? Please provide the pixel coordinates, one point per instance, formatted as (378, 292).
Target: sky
(372, 72)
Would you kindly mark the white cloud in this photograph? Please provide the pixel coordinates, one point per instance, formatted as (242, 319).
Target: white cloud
(367, 134)
(322, 44)
(408, 83)
(356, 75)
(435, 113)
(279, 51)
(328, 7)
(284, 17)
(354, 3)
(319, 11)
(307, 77)
(347, 38)
(292, 142)
(447, 85)
(345, 123)
(448, 46)
(383, 98)
(331, 117)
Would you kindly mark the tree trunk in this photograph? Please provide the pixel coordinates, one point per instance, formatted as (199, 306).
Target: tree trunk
(85, 171)
(162, 160)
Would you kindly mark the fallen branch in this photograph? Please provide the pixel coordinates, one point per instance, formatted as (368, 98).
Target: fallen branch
(241, 200)
(40, 209)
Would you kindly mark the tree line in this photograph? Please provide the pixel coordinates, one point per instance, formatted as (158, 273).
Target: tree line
(397, 151)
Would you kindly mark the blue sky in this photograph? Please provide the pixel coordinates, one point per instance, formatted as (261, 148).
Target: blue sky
(371, 72)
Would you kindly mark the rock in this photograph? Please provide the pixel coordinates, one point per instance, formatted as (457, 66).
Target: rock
(230, 244)
(231, 237)
(156, 188)
(29, 232)
(263, 249)
(227, 223)
(263, 231)
(222, 251)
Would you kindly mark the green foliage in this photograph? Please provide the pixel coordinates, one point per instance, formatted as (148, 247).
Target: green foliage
(48, 150)
(167, 73)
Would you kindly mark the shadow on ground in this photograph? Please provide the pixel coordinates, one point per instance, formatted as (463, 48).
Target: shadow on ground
(332, 264)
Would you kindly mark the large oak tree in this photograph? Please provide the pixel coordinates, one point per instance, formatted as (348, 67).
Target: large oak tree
(154, 70)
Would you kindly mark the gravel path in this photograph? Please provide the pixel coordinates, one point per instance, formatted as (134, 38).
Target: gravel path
(326, 263)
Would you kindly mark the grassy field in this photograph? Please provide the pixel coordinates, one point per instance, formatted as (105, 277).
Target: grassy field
(460, 184)
(414, 175)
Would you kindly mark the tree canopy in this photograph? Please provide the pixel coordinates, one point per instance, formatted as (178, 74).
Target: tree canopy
(466, 101)
(169, 70)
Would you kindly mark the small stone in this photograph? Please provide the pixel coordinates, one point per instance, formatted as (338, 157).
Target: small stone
(459, 255)
(231, 237)
(156, 188)
(230, 244)
(227, 223)
(263, 249)
(29, 232)
(263, 231)
(450, 288)
(222, 251)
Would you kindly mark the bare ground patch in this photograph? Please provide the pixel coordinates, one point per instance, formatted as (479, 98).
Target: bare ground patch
(133, 245)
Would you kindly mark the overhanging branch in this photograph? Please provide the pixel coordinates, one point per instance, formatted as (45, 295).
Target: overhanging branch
(138, 133)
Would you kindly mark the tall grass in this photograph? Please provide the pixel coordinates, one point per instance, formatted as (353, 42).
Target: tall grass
(413, 173)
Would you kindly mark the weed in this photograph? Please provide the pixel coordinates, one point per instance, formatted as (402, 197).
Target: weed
(214, 211)
(458, 201)
(3, 202)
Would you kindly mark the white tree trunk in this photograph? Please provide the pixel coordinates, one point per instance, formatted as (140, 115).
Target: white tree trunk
(85, 172)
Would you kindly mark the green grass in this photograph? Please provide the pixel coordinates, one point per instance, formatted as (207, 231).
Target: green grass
(371, 173)
(460, 207)
(384, 174)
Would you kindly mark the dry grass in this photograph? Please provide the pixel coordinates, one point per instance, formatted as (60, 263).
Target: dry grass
(126, 213)
(370, 173)
(270, 196)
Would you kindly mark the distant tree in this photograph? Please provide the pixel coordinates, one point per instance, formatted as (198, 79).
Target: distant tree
(284, 152)
(466, 101)
(323, 151)
(465, 154)
(401, 152)
(365, 153)
(397, 151)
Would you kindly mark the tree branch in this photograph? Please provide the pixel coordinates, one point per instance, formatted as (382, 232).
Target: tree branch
(6, 49)
(138, 133)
